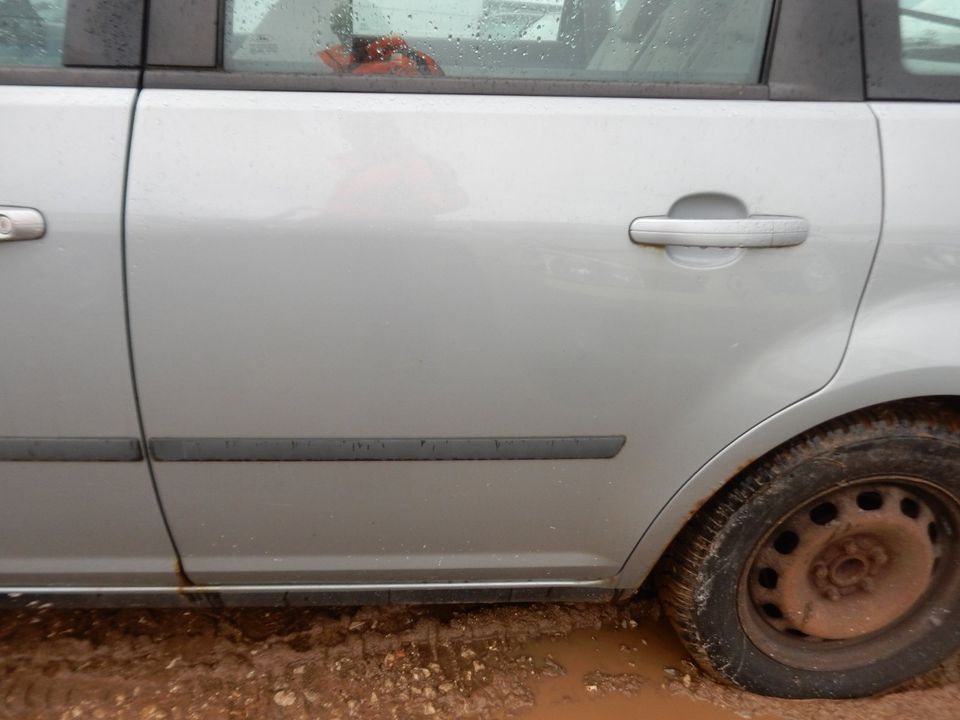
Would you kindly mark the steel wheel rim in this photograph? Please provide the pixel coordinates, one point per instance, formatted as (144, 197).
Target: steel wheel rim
(857, 572)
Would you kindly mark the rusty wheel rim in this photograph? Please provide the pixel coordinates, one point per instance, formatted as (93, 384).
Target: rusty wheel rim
(855, 571)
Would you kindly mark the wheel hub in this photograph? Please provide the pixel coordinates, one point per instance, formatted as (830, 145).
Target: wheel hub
(850, 564)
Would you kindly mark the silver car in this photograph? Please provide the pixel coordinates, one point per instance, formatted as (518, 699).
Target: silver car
(322, 301)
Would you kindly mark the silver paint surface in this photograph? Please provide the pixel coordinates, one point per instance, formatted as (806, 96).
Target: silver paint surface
(343, 265)
(64, 367)
(905, 342)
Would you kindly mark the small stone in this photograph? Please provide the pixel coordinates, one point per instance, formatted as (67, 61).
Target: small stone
(592, 688)
(671, 673)
(429, 709)
(687, 681)
(285, 698)
(551, 668)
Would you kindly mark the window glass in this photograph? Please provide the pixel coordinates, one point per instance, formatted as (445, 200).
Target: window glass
(930, 36)
(721, 41)
(31, 31)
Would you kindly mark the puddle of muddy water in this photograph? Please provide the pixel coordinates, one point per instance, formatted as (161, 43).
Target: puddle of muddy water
(618, 674)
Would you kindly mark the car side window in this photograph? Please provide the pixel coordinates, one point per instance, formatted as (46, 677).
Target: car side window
(685, 41)
(31, 32)
(930, 36)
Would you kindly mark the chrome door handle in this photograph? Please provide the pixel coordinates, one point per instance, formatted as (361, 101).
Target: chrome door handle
(756, 231)
(18, 223)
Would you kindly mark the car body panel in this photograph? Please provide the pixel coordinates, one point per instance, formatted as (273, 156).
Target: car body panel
(400, 266)
(65, 370)
(904, 343)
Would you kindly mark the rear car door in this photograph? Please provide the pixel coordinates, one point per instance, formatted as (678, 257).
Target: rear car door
(387, 315)
(77, 506)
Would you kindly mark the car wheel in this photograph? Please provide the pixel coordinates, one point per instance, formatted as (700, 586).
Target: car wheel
(831, 567)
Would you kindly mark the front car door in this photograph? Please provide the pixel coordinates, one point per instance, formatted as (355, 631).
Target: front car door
(387, 316)
(77, 505)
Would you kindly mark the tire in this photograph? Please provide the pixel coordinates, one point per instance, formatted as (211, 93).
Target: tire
(831, 568)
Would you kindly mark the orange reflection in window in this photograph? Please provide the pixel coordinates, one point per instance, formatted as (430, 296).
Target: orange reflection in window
(382, 56)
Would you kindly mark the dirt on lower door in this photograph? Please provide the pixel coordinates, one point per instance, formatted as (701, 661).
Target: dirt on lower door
(533, 661)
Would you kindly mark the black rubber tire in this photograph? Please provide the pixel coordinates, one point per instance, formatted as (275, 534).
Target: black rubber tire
(699, 578)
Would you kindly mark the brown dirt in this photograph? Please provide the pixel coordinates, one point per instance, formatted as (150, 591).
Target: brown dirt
(534, 662)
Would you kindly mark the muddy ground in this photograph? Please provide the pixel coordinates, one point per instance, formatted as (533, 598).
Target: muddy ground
(535, 662)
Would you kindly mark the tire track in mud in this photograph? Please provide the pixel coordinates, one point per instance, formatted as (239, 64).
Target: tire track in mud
(392, 662)
(376, 662)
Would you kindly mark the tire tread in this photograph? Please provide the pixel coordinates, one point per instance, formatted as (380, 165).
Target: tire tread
(679, 573)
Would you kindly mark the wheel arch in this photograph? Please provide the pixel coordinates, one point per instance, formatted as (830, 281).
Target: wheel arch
(938, 386)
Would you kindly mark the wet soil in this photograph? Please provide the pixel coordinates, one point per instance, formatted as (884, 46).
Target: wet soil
(533, 662)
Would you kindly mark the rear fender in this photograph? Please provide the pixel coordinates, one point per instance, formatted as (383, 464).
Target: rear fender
(905, 348)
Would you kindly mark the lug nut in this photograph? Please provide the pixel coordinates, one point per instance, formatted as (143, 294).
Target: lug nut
(850, 547)
(867, 585)
(879, 556)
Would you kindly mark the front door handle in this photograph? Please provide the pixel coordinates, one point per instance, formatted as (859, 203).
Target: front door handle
(18, 223)
(756, 231)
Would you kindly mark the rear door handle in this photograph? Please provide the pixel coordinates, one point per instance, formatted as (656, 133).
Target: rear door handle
(756, 231)
(18, 223)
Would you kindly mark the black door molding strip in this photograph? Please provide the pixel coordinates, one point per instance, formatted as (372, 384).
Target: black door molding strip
(34, 449)
(383, 449)
(49, 449)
